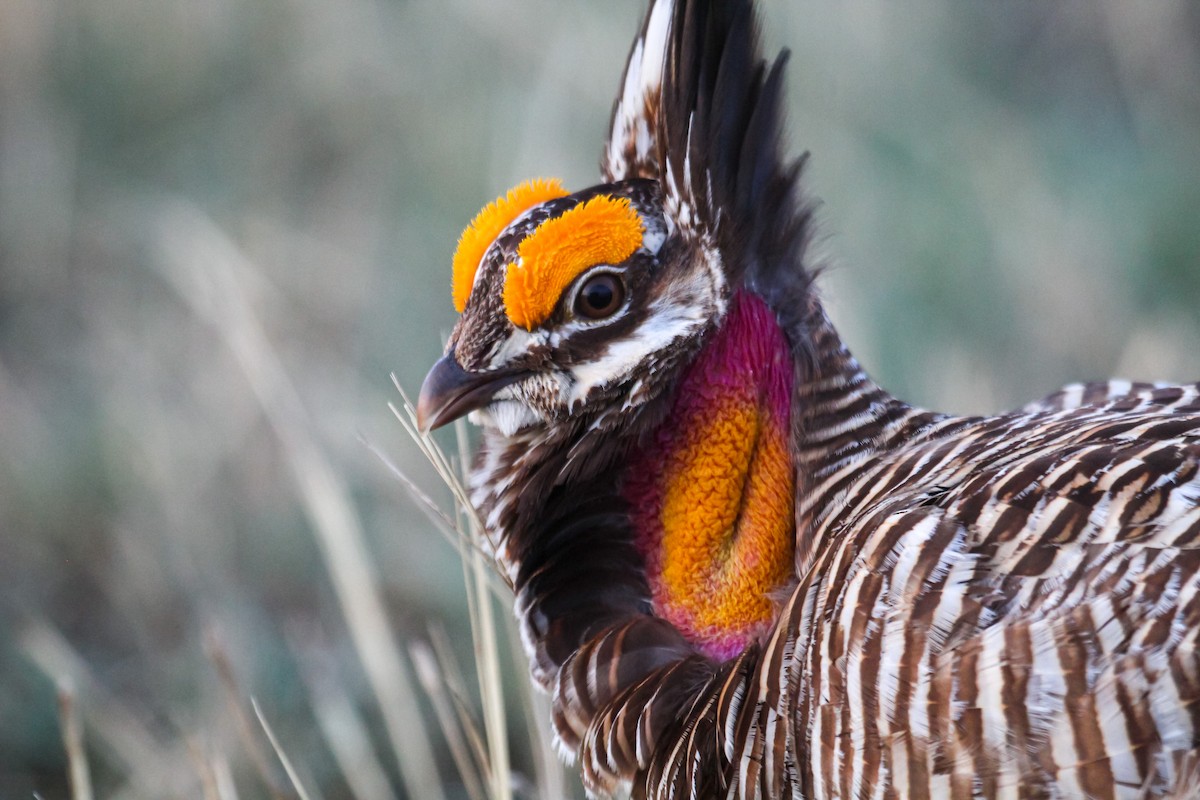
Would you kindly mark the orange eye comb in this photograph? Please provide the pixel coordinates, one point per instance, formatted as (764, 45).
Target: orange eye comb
(490, 223)
(604, 230)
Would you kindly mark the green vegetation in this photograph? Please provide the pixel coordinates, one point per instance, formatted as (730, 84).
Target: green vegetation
(224, 225)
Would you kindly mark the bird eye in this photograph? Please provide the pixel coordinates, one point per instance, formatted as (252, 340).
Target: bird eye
(600, 296)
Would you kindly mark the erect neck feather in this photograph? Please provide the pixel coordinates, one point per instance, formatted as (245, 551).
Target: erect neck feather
(711, 493)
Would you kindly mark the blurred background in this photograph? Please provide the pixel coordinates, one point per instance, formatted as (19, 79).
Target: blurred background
(224, 224)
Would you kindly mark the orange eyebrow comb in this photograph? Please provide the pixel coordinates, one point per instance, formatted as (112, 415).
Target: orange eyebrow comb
(604, 230)
(490, 223)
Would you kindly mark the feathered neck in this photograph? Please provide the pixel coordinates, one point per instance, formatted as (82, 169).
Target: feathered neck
(570, 529)
(580, 534)
(550, 498)
(711, 493)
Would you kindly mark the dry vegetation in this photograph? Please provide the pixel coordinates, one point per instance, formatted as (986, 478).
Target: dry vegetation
(225, 570)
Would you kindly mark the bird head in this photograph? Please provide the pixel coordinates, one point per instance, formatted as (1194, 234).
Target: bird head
(580, 309)
(571, 305)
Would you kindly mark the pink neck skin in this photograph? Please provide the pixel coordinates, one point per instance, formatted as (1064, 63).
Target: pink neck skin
(712, 492)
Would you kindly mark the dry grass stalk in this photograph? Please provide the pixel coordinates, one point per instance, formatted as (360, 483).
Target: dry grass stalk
(548, 767)
(437, 457)
(283, 757)
(208, 271)
(245, 726)
(479, 580)
(487, 652)
(450, 530)
(342, 726)
(456, 688)
(118, 731)
(479, 570)
(457, 728)
(465, 539)
(204, 769)
(72, 734)
(226, 788)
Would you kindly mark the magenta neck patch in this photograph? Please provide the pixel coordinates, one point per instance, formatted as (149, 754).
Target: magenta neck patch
(713, 492)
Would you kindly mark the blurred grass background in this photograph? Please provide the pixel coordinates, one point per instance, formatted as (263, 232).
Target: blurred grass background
(1011, 201)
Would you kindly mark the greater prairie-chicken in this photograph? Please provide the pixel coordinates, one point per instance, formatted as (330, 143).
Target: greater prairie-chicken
(742, 568)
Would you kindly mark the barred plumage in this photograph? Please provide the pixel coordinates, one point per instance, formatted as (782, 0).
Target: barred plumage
(1003, 606)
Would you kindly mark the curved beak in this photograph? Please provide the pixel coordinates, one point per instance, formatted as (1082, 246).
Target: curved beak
(450, 392)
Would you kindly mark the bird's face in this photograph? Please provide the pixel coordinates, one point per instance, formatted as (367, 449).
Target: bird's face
(573, 307)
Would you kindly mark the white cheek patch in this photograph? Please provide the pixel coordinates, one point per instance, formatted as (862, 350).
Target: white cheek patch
(668, 322)
(520, 405)
(517, 344)
(506, 416)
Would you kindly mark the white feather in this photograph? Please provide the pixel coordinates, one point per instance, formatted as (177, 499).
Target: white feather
(667, 322)
(643, 79)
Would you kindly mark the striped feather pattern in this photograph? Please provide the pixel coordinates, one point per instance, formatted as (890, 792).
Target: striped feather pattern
(1002, 606)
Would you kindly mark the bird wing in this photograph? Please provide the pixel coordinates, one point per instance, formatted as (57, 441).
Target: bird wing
(1120, 397)
(1021, 610)
(1035, 620)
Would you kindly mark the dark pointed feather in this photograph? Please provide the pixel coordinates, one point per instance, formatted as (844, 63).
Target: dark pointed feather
(720, 143)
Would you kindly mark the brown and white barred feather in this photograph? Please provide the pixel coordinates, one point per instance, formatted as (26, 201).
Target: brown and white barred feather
(999, 606)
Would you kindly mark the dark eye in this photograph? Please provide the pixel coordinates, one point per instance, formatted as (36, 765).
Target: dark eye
(600, 296)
